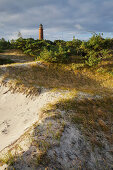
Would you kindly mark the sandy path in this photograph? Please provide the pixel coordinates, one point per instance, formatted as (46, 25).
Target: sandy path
(18, 112)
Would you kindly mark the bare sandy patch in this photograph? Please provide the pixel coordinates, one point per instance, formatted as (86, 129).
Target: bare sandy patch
(18, 113)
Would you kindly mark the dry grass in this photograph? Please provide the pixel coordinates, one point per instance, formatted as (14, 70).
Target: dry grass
(94, 117)
(16, 55)
(106, 66)
(57, 76)
(9, 158)
(75, 75)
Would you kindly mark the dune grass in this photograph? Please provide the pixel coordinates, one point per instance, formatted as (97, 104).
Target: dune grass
(60, 76)
(93, 116)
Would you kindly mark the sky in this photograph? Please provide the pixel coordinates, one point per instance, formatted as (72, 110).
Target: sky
(61, 19)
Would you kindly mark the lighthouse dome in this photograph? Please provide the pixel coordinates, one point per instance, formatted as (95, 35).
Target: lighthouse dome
(41, 25)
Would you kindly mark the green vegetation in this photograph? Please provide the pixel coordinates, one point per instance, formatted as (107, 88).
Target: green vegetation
(58, 55)
(90, 52)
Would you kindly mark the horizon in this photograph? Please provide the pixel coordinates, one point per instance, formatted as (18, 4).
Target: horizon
(66, 36)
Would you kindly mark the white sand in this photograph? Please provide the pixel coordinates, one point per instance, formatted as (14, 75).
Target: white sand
(18, 112)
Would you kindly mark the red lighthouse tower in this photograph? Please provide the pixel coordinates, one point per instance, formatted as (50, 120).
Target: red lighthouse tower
(41, 32)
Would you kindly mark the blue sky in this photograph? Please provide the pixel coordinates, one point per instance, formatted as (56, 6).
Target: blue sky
(62, 19)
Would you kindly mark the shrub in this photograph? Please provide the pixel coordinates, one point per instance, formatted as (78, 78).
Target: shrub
(94, 50)
(57, 54)
(74, 46)
(93, 59)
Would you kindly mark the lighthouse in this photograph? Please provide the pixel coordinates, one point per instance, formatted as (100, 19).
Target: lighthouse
(41, 32)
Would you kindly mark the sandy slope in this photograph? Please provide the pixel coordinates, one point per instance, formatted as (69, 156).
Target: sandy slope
(18, 112)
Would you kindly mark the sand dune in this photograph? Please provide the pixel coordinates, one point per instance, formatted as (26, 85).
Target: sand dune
(18, 112)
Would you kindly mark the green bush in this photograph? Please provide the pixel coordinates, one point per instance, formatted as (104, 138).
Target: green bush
(74, 46)
(94, 50)
(57, 55)
(93, 58)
